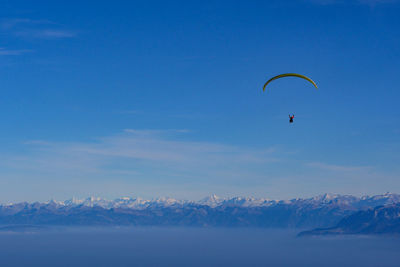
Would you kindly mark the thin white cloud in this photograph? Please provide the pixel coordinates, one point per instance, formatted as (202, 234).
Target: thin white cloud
(376, 2)
(148, 152)
(363, 2)
(7, 24)
(339, 168)
(128, 112)
(28, 28)
(155, 132)
(13, 52)
(154, 145)
(45, 34)
(37, 142)
(56, 34)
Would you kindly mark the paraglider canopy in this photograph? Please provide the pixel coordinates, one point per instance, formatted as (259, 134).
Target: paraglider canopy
(289, 75)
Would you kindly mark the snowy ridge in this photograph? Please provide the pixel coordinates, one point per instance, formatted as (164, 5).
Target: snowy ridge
(320, 211)
(214, 201)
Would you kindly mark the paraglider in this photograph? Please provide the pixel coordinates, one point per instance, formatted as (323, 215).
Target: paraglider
(289, 75)
(291, 117)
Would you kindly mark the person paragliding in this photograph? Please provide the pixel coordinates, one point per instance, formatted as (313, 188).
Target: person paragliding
(291, 117)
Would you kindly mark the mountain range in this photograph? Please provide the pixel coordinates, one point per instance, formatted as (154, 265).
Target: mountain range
(322, 211)
(378, 220)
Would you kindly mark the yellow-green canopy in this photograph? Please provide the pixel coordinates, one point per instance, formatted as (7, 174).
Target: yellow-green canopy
(290, 75)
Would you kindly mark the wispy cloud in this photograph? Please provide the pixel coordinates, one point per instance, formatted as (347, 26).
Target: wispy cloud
(133, 112)
(10, 23)
(141, 152)
(339, 168)
(28, 28)
(149, 132)
(37, 142)
(46, 34)
(11, 52)
(377, 2)
(155, 145)
(363, 2)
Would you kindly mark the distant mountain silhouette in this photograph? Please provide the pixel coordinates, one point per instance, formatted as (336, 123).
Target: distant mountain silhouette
(321, 211)
(378, 220)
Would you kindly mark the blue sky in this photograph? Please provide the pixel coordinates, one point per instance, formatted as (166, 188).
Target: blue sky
(157, 98)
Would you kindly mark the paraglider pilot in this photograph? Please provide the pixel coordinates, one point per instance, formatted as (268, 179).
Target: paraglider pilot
(291, 117)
